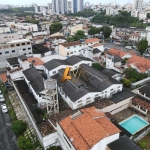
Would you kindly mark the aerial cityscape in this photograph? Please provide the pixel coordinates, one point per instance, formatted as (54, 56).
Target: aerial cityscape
(74, 75)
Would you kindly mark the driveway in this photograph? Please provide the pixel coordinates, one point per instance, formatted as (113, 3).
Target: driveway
(7, 137)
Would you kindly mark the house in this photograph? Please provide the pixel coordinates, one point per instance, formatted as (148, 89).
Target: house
(4, 29)
(74, 48)
(134, 37)
(91, 86)
(138, 63)
(52, 67)
(75, 28)
(86, 129)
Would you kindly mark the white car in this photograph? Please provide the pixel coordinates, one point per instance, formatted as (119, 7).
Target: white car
(4, 108)
(1, 97)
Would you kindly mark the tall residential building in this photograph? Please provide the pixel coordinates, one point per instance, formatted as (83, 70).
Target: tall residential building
(138, 4)
(87, 4)
(109, 11)
(49, 6)
(60, 6)
(77, 5)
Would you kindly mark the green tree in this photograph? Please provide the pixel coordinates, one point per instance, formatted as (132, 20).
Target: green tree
(142, 46)
(126, 82)
(33, 21)
(24, 143)
(55, 27)
(148, 15)
(78, 35)
(106, 31)
(54, 148)
(19, 127)
(93, 31)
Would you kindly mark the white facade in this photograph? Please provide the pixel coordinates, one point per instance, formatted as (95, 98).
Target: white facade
(142, 15)
(109, 11)
(7, 37)
(138, 4)
(4, 29)
(16, 48)
(27, 26)
(90, 97)
(12, 23)
(40, 33)
(134, 13)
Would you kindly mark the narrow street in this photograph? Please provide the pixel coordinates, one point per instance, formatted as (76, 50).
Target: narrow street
(7, 137)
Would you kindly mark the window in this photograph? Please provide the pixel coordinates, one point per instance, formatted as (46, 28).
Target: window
(80, 101)
(118, 87)
(28, 43)
(5, 37)
(79, 105)
(24, 54)
(13, 51)
(88, 63)
(71, 52)
(88, 101)
(88, 98)
(79, 50)
(18, 44)
(65, 96)
(54, 72)
(7, 52)
(74, 51)
(67, 53)
(11, 45)
(105, 91)
(111, 90)
(29, 53)
(24, 49)
(0, 53)
(74, 46)
(68, 47)
(23, 43)
(29, 48)
(96, 95)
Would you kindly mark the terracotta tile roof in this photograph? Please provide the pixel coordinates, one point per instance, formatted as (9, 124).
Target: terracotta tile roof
(116, 52)
(67, 44)
(91, 40)
(135, 34)
(88, 128)
(96, 45)
(37, 61)
(3, 77)
(141, 63)
(142, 102)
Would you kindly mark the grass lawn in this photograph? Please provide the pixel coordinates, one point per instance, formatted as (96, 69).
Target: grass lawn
(146, 139)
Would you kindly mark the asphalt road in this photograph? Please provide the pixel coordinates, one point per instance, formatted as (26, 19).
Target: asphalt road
(7, 137)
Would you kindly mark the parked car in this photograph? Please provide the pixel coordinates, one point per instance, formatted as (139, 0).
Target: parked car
(1, 97)
(4, 108)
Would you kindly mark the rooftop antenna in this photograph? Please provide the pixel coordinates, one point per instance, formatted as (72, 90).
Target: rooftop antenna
(51, 95)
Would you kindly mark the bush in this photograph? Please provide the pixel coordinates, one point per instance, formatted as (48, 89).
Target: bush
(19, 127)
(126, 82)
(24, 143)
(142, 144)
(54, 148)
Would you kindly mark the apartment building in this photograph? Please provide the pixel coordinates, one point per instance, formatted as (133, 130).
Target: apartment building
(16, 48)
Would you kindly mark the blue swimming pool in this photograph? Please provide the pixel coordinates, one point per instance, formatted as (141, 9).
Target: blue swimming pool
(134, 124)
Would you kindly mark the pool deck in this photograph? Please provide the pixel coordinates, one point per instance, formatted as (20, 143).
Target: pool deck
(122, 115)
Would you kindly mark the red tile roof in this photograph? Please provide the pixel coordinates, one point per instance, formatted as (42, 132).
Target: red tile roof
(91, 40)
(88, 129)
(141, 63)
(116, 52)
(3, 77)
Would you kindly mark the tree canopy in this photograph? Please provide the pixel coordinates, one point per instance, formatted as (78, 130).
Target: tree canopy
(55, 27)
(78, 35)
(24, 143)
(106, 31)
(93, 31)
(33, 21)
(84, 13)
(123, 19)
(17, 10)
(148, 15)
(142, 46)
(19, 127)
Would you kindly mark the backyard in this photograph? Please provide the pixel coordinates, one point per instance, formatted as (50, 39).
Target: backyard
(144, 143)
